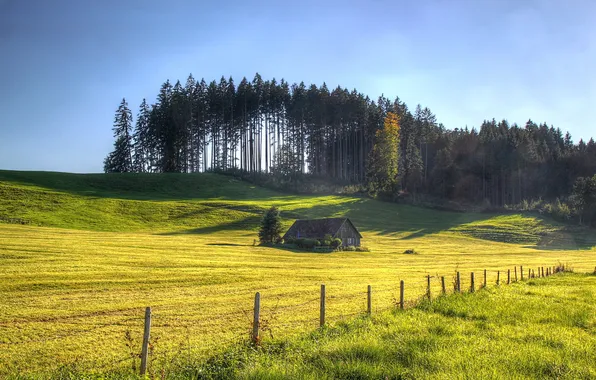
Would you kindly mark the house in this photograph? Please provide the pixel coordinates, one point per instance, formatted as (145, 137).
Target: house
(341, 228)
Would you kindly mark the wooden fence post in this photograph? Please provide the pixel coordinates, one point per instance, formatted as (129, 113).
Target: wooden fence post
(322, 312)
(256, 318)
(533, 274)
(515, 272)
(498, 277)
(369, 300)
(458, 283)
(508, 276)
(401, 294)
(428, 286)
(529, 273)
(521, 272)
(146, 336)
(444, 290)
(485, 283)
(472, 286)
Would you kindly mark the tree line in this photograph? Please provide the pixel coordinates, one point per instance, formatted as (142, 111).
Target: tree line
(293, 130)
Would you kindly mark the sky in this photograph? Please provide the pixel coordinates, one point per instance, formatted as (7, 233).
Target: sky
(65, 65)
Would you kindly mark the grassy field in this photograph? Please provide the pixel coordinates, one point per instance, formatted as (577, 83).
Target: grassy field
(540, 329)
(82, 255)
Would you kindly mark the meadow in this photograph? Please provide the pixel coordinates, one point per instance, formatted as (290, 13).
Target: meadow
(81, 256)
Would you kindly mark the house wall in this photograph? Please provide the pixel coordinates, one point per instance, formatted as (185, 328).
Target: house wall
(347, 232)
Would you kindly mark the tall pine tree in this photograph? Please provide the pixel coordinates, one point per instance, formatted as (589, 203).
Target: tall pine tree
(120, 159)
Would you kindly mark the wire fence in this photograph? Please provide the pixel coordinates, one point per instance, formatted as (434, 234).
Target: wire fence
(169, 334)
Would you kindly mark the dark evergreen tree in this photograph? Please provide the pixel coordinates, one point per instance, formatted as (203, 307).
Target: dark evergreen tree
(141, 140)
(120, 160)
(584, 199)
(271, 229)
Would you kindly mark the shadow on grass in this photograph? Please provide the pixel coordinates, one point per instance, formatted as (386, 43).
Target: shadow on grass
(142, 186)
(567, 239)
(284, 247)
(229, 244)
(386, 218)
(246, 224)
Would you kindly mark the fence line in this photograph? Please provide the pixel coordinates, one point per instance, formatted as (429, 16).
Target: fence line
(262, 317)
(324, 319)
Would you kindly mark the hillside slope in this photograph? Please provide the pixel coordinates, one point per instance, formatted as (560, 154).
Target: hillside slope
(211, 203)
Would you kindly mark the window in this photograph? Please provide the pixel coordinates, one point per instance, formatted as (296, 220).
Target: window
(350, 241)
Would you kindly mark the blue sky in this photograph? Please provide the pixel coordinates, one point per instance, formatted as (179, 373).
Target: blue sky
(66, 64)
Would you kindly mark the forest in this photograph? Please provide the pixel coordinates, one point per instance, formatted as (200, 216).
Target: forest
(294, 132)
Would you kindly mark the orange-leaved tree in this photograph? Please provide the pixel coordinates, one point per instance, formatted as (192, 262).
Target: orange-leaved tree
(384, 158)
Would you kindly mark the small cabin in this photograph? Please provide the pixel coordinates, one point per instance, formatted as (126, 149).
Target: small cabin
(342, 228)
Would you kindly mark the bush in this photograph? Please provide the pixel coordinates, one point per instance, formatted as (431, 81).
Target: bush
(410, 252)
(290, 240)
(350, 248)
(307, 243)
(325, 243)
(561, 211)
(335, 243)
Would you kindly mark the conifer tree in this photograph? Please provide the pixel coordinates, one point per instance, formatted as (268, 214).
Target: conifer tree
(270, 231)
(584, 199)
(141, 137)
(120, 159)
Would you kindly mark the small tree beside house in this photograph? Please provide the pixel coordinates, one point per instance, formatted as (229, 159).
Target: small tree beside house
(270, 231)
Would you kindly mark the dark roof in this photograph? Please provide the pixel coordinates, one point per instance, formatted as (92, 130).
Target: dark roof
(318, 228)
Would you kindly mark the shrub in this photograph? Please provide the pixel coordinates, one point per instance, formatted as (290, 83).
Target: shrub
(307, 243)
(410, 252)
(335, 243)
(290, 240)
(325, 243)
(350, 248)
(561, 211)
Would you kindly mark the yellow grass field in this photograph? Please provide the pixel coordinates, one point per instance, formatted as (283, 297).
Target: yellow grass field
(76, 277)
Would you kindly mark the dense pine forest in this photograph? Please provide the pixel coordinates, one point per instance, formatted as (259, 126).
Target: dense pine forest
(294, 132)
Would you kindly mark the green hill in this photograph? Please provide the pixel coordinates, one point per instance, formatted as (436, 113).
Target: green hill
(208, 203)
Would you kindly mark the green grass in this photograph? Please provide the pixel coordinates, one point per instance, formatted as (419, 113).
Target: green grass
(544, 328)
(96, 249)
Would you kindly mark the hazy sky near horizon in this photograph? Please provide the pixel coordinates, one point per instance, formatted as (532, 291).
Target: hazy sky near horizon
(66, 64)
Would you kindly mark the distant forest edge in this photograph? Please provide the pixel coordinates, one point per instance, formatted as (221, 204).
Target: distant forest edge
(291, 135)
